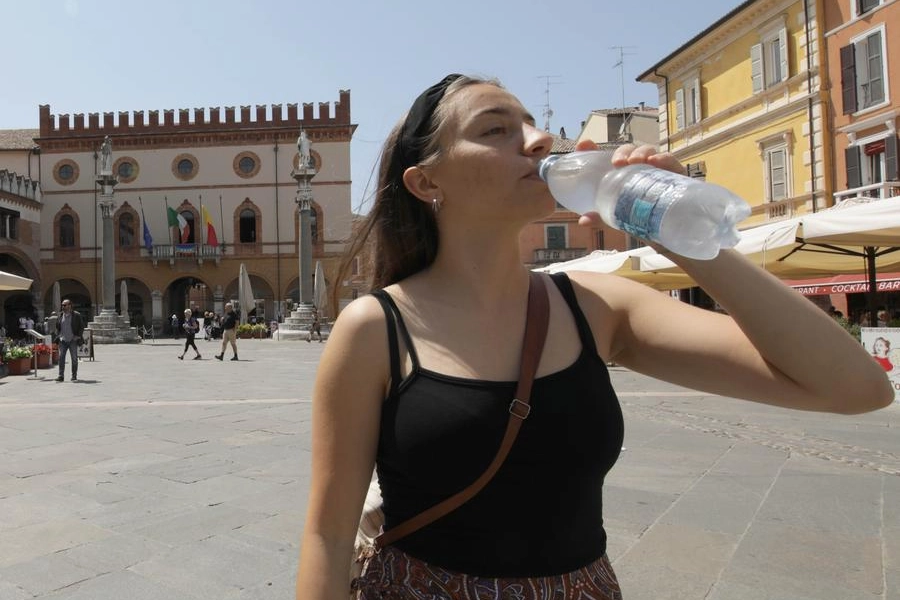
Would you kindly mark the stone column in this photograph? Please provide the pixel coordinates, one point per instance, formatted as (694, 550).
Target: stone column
(108, 262)
(108, 327)
(296, 326)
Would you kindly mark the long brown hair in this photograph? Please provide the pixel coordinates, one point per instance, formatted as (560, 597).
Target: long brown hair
(403, 229)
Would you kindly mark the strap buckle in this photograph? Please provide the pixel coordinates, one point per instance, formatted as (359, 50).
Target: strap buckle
(519, 409)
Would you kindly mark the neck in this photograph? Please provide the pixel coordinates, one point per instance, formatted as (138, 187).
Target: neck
(480, 267)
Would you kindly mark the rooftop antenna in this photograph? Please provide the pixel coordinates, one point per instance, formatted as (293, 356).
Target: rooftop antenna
(620, 64)
(548, 112)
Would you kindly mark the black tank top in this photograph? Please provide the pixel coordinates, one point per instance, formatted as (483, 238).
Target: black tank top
(542, 513)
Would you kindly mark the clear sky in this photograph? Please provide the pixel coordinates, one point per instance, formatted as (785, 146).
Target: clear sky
(99, 55)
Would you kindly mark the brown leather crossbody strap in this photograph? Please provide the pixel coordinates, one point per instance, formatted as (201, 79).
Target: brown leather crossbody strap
(533, 344)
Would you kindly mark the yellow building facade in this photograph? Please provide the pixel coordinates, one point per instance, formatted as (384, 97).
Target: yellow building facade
(741, 105)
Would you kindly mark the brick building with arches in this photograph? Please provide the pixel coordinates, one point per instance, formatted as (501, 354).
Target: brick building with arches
(211, 186)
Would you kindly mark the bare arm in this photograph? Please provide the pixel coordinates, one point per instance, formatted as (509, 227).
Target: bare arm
(350, 386)
(774, 346)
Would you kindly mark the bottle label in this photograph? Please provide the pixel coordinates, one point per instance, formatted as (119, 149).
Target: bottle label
(643, 202)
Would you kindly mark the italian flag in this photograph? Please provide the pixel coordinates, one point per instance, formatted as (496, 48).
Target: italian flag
(176, 220)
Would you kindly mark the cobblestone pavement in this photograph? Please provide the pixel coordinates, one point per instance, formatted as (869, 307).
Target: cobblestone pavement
(156, 478)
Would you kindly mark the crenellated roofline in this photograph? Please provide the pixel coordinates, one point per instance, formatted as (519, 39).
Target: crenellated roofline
(198, 120)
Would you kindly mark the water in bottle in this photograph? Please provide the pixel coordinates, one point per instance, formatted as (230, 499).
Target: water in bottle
(688, 216)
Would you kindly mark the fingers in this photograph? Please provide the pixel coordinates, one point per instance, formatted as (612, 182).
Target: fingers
(586, 145)
(629, 154)
(590, 219)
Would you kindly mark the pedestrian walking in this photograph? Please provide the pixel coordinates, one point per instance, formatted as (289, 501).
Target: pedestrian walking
(229, 335)
(69, 329)
(191, 326)
(429, 397)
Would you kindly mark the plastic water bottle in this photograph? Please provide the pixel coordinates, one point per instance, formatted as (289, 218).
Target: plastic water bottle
(688, 216)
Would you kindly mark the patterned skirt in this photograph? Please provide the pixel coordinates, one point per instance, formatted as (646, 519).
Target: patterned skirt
(395, 575)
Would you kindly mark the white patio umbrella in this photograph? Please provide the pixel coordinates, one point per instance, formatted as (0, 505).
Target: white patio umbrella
(57, 297)
(123, 299)
(9, 282)
(320, 293)
(856, 236)
(245, 293)
(623, 264)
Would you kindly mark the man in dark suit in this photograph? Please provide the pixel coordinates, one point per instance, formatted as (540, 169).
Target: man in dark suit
(69, 327)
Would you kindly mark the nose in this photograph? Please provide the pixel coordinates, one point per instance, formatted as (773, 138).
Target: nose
(537, 141)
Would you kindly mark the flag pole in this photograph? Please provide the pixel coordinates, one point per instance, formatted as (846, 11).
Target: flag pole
(202, 220)
(169, 227)
(222, 220)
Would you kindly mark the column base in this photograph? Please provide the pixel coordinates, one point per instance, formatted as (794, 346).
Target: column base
(296, 326)
(109, 328)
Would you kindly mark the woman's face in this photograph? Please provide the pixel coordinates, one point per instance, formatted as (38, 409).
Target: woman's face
(880, 347)
(490, 153)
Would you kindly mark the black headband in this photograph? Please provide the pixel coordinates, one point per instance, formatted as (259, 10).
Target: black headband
(409, 148)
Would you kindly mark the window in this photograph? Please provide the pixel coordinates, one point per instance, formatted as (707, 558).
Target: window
(125, 170)
(769, 60)
(599, 241)
(776, 173)
(246, 164)
(688, 104)
(872, 162)
(67, 231)
(864, 6)
(126, 230)
(354, 266)
(185, 167)
(65, 172)
(9, 224)
(556, 237)
(248, 226)
(863, 76)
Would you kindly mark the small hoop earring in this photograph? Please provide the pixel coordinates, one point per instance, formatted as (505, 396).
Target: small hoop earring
(436, 205)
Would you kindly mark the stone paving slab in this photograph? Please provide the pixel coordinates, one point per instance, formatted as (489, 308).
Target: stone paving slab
(157, 478)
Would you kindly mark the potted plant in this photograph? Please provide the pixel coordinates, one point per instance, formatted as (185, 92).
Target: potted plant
(247, 330)
(54, 353)
(44, 355)
(18, 359)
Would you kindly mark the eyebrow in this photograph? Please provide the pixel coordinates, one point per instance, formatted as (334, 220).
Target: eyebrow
(504, 111)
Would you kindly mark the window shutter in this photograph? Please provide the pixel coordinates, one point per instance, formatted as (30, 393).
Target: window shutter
(756, 67)
(778, 183)
(848, 79)
(854, 176)
(679, 109)
(695, 87)
(783, 52)
(890, 159)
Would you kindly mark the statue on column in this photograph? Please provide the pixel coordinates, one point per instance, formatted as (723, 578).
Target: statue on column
(305, 161)
(106, 157)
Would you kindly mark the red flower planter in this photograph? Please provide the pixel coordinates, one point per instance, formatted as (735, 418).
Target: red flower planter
(19, 366)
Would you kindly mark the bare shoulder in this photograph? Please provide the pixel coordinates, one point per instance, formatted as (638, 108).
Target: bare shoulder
(609, 291)
(362, 320)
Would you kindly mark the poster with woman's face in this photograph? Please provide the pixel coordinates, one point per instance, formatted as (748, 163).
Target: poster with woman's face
(883, 343)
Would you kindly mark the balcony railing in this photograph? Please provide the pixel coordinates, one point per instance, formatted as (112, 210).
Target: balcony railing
(173, 252)
(880, 191)
(549, 255)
